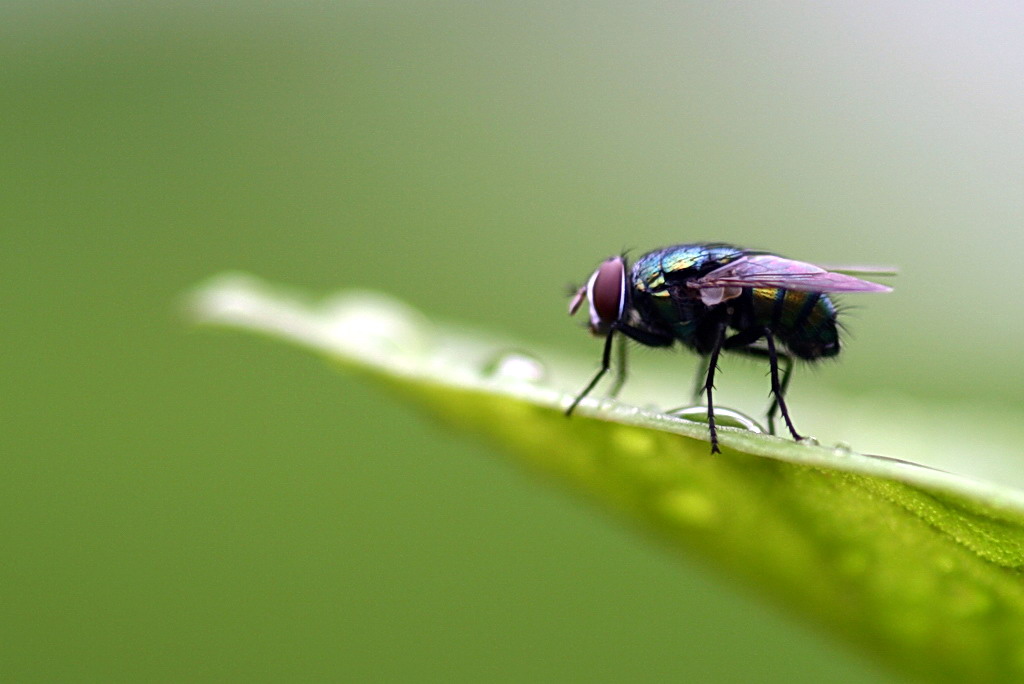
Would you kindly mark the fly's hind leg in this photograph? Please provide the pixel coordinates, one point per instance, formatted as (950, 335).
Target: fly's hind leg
(779, 388)
(709, 386)
(787, 373)
(699, 378)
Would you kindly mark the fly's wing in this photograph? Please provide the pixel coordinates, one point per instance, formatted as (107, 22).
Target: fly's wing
(873, 271)
(768, 270)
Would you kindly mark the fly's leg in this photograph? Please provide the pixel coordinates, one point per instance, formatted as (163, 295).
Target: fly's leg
(782, 358)
(778, 388)
(606, 359)
(699, 379)
(709, 386)
(783, 387)
(651, 338)
(620, 367)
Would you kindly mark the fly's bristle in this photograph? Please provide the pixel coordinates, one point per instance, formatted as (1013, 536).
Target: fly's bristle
(843, 308)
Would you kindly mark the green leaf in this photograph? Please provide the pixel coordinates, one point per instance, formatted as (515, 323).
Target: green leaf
(920, 568)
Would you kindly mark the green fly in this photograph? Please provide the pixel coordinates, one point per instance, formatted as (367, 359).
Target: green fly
(713, 297)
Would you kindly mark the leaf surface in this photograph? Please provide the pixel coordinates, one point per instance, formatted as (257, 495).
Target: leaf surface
(920, 568)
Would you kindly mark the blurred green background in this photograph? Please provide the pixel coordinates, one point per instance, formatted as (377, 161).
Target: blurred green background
(182, 504)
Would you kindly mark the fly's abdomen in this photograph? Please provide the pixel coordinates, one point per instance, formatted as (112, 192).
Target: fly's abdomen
(805, 322)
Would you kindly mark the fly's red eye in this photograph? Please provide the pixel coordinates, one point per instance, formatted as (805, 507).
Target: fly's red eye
(607, 293)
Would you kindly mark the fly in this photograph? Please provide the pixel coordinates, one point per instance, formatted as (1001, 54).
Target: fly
(714, 297)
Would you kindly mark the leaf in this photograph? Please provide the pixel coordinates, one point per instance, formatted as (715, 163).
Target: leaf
(920, 568)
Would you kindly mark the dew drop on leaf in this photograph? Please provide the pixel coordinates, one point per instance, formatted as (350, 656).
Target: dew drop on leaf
(515, 366)
(724, 417)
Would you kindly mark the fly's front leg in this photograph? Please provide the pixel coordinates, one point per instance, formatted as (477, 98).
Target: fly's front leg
(651, 339)
(620, 367)
(606, 359)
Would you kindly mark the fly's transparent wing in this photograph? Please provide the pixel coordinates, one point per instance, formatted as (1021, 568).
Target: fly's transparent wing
(768, 270)
(860, 270)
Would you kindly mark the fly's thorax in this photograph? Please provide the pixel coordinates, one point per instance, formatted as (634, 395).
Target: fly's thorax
(647, 278)
(661, 312)
(663, 276)
(660, 273)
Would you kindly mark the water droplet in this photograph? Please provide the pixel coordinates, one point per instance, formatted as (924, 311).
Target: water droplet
(515, 366)
(724, 417)
(842, 449)
(373, 325)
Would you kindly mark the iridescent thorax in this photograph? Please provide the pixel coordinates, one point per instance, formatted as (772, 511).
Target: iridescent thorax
(653, 271)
